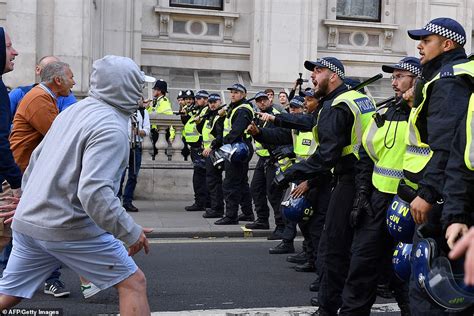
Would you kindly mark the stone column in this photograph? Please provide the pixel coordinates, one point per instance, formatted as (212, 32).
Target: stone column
(161, 143)
(177, 144)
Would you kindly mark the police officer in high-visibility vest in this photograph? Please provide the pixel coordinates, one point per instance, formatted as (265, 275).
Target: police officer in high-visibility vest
(379, 172)
(181, 105)
(440, 101)
(341, 123)
(192, 134)
(317, 192)
(212, 139)
(263, 175)
(160, 105)
(458, 212)
(239, 114)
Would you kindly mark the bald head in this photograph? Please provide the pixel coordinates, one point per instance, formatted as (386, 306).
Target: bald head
(43, 62)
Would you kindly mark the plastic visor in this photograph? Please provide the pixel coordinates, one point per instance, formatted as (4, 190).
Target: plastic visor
(447, 289)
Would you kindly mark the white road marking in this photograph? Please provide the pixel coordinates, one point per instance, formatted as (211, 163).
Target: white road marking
(270, 311)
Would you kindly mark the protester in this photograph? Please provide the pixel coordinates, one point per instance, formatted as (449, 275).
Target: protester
(69, 212)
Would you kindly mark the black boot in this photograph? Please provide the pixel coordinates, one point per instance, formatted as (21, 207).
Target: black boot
(258, 224)
(277, 234)
(282, 248)
(299, 258)
(305, 267)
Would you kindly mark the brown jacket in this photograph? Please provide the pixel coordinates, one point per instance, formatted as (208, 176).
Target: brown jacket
(34, 116)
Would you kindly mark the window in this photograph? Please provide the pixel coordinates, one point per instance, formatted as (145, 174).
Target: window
(359, 10)
(198, 4)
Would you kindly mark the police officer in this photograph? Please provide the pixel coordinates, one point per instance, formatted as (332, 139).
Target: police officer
(283, 137)
(341, 122)
(263, 175)
(160, 105)
(379, 171)
(440, 101)
(212, 139)
(239, 114)
(181, 106)
(193, 138)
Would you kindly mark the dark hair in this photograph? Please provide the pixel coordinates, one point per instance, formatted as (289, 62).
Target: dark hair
(269, 90)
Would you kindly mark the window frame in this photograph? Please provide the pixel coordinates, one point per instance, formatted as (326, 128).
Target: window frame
(378, 20)
(195, 6)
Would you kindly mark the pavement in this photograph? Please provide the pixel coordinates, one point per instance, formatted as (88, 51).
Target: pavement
(169, 220)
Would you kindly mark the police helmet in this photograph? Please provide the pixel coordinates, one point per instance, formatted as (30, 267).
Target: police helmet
(442, 280)
(400, 223)
(236, 152)
(297, 209)
(401, 261)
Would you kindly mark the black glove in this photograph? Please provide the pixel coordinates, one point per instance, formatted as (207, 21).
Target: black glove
(361, 204)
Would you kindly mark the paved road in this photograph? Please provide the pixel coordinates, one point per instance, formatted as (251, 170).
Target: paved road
(196, 274)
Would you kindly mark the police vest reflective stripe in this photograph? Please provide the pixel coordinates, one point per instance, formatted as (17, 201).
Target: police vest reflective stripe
(207, 137)
(388, 163)
(262, 152)
(469, 152)
(304, 145)
(228, 119)
(362, 108)
(418, 153)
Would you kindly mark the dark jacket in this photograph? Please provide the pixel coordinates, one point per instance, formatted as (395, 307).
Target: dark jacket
(447, 102)
(334, 133)
(8, 168)
(459, 184)
(240, 122)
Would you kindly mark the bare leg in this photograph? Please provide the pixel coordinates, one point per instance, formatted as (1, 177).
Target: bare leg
(132, 295)
(7, 301)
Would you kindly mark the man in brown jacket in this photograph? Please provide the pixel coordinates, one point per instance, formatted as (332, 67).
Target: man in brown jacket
(37, 111)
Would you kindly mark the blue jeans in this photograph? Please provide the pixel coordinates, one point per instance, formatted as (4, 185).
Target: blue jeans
(132, 176)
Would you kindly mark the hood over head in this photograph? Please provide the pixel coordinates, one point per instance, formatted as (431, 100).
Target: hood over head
(117, 81)
(3, 51)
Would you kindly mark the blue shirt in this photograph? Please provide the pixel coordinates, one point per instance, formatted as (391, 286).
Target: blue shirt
(18, 93)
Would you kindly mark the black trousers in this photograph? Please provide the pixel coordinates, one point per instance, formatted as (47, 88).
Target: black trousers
(199, 177)
(337, 236)
(370, 247)
(214, 184)
(313, 228)
(262, 193)
(236, 188)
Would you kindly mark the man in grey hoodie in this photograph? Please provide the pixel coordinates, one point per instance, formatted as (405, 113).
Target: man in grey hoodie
(69, 212)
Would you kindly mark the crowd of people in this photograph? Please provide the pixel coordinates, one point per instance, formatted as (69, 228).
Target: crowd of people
(351, 160)
(330, 161)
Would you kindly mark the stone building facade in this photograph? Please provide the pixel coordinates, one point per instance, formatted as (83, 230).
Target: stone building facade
(208, 44)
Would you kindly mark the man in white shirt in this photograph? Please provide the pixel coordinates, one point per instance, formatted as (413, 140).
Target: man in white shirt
(141, 122)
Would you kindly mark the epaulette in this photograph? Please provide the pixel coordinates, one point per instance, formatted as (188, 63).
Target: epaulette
(446, 71)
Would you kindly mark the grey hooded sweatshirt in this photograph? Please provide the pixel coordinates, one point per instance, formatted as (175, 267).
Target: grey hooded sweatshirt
(72, 180)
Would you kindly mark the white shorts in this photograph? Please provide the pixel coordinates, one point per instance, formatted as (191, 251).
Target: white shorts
(103, 260)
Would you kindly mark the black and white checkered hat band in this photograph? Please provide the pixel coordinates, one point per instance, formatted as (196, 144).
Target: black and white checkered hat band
(410, 68)
(332, 67)
(440, 30)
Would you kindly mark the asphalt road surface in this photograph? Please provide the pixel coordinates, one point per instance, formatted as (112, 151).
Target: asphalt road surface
(205, 277)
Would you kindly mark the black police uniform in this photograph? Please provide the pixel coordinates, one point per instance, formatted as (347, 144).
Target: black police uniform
(199, 166)
(214, 173)
(458, 190)
(235, 186)
(261, 187)
(372, 246)
(320, 187)
(334, 133)
(437, 124)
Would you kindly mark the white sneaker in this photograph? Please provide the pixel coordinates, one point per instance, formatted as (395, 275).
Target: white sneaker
(89, 290)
